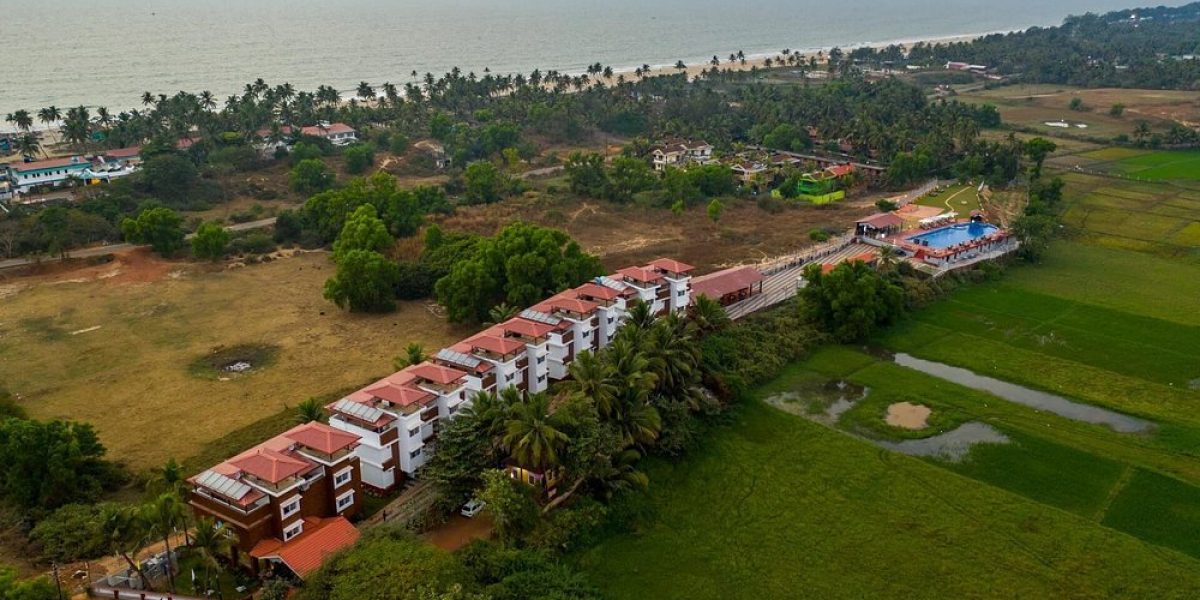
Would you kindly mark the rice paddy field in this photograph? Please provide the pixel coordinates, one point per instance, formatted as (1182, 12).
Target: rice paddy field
(815, 488)
(1156, 217)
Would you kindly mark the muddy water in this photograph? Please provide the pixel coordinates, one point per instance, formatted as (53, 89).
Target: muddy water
(1012, 392)
(821, 402)
(954, 445)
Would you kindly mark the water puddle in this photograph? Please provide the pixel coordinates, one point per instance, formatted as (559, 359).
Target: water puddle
(823, 402)
(953, 446)
(1012, 392)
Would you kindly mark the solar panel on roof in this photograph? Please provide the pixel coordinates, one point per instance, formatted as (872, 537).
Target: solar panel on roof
(609, 282)
(458, 358)
(358, 410)
(540, 317)
(223, 485)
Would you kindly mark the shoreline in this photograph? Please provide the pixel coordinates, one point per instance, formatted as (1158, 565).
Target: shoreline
(694, 66)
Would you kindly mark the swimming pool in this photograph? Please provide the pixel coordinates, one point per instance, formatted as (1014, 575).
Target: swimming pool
(954, 234)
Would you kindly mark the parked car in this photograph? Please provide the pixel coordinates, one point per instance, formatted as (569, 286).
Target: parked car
(472, 508)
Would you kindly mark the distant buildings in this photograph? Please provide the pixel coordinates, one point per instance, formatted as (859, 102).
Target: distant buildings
(339, 134)
(679, 153)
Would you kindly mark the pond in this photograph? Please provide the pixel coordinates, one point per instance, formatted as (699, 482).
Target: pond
(954, 445)
(1012, 392)
(820, 401)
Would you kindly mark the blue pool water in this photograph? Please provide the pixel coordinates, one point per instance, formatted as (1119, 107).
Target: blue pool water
(954, 234)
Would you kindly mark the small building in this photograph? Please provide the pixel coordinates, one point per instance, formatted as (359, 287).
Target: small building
(269, 140)
(749, 173)
(730, 285)
(879, 225)
(338, 134)
(53, 172)
(678, 153)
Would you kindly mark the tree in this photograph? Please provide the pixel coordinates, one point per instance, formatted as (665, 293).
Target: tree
(1117, 110)
(587, 174)
(414, 354)
(1076, 104)
(365, 282)
(160, 227)
(14, 588)
(71, 533)
(510, 503)
(387, 562)
(44, 465)
(310, 176)
(310, 411)
(852, 300)
(211, 541)
(533, 435)
(715, 210)
(485, 184)
(125, 531)
(359, 158)
(363, 231)
(466, 448)
(1038, 149)
(210, 242)
(708, 314)
(169, 177)
(884, 205)
(592, 379)
(167, 478)
(163, 516)
(627, 177)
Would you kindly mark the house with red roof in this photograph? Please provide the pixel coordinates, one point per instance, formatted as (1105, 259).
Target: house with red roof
(339, 134)
(278, 497)
(680, 153)
(25, 176)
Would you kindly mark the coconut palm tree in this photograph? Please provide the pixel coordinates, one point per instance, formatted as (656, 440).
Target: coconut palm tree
(502, 312)
(620, 473)
(207, 100)
(310, 411)
(708, 315)
(163, 516)
(534, 436)
(125, 532)
(888, 257)
(365, 91)
(210, 542)
(591, 378)
(29, 144)
(167, 478)
(414, 354)
(49, 115)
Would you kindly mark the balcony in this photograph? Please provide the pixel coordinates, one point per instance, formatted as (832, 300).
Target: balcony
(430, 414)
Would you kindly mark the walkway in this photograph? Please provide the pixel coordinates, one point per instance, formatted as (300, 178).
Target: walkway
(779, 283)
(95, 251)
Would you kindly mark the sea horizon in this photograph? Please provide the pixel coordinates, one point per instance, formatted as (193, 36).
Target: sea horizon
(73, 76)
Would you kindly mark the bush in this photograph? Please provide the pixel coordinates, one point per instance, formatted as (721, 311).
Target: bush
(239, 158)
(254, 242)
(818, 235)
(359, 158)
(310, 176)
(71, 533)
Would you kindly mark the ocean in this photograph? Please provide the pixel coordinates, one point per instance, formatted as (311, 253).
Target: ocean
(107, 53)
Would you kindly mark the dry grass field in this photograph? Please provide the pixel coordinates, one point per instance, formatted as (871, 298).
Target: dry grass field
(111, 345)
(626, 234)
(1034, 105)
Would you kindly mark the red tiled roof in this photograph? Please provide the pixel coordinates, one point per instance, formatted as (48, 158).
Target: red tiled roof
(129, 152)
(716, 285)
(270, 465)
(882, 221)
(496, 344)
(304, 553)
(436, 373)
(185, 143)
(398, 394)
(595, 290)
(265, 132)
(641, 274)
(321, 437)
(840, 170)
(572, 304)
(321, 131)
(670, 265)
(526, 327)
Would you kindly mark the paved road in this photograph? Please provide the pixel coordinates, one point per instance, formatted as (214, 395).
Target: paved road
(779, 284)
(95, 251)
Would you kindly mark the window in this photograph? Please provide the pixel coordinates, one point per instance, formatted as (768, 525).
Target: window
(342, 477)
(541, 359)
(541, 378)
(414, 453)
(610, 320)
(291, 507)
(414, 432)
(293, 530)
(345, 501)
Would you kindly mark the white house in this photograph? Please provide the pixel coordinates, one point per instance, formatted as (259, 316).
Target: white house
(339, 134)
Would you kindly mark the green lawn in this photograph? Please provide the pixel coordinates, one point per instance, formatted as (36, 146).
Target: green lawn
(959, 198)
(1159, 509)
(774, 506)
